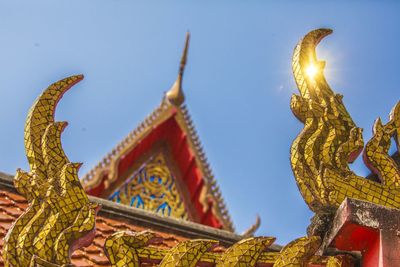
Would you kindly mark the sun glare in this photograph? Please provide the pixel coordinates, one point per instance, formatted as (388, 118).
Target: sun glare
(311, 71)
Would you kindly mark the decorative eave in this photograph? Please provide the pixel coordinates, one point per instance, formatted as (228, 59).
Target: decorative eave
(106, 172)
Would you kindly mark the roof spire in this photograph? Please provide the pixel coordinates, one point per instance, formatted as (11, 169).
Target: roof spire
(175, 94)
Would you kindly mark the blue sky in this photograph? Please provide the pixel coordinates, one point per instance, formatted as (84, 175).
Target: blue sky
(238, 82)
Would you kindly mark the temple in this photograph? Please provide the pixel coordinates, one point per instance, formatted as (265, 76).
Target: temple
(153, 200)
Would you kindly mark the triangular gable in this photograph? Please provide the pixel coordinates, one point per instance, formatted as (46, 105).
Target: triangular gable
(168, 130)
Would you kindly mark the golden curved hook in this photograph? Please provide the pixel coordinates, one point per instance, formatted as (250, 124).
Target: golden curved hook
(39, 117)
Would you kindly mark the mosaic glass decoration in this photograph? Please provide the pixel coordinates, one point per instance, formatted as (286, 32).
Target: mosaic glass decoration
(59, 218)
(153, 188)
(135, 249)
(330, 140)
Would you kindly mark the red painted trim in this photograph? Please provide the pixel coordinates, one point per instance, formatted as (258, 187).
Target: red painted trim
(354, 237)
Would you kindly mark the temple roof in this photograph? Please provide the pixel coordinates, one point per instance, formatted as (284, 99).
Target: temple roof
(169, 123)
(111, 218)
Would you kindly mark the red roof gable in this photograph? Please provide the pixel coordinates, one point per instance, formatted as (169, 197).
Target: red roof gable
(169, 127)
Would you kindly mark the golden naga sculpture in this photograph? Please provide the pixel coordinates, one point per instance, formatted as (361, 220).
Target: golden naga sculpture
(133, 249)
(330, 140)
(59, 218)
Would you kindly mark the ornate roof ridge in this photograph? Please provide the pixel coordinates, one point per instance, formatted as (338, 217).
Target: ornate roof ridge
(221, 208)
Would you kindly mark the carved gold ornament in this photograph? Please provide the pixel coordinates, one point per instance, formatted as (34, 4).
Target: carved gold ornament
(330, 140)
(59, 218)
(133, 249)
(153, 188)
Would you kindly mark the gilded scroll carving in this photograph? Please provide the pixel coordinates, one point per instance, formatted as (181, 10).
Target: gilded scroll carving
(153, 188)
(133, 249)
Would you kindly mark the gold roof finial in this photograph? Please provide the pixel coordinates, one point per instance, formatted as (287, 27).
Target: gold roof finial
(175, 95)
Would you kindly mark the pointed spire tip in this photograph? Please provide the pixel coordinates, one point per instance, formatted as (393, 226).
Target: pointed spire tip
(175, 95)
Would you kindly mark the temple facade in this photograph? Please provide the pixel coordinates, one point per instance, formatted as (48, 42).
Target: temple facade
(153, 200)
